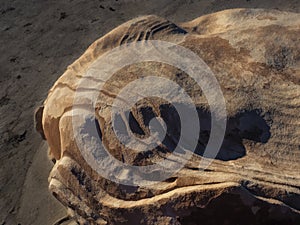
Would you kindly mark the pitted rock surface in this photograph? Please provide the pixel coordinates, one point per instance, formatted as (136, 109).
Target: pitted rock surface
(255, 56)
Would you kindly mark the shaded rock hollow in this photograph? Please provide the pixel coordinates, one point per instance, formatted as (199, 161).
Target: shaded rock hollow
(255, 57)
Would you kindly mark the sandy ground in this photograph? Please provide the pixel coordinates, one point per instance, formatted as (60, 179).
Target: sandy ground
(38, 40)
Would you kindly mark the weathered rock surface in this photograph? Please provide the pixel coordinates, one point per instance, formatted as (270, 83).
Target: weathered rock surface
(255, 56)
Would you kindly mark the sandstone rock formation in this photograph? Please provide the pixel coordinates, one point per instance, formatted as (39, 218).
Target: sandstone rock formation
(255, 56)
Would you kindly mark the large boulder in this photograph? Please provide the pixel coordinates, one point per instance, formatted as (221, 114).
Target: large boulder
(254, 56)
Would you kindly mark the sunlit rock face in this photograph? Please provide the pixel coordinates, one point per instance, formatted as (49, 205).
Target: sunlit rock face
(255, 58)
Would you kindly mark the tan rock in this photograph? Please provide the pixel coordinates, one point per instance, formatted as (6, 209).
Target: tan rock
(255, 57)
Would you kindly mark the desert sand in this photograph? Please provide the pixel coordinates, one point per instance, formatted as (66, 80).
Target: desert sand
(39, 39)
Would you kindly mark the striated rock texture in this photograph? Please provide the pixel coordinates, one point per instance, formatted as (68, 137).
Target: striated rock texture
(255, 179)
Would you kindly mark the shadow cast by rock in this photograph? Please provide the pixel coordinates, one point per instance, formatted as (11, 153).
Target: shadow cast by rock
(249, 125)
